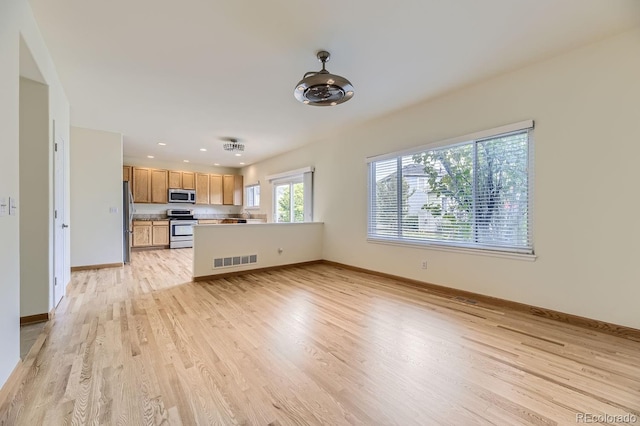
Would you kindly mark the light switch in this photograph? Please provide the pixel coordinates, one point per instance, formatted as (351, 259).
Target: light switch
(13, 205)
(3, 206)
(113, 210)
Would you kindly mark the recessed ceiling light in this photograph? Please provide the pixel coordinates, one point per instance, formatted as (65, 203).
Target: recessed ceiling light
(162, 144)
(186, 161)
(216, 164)
(238, 155)
(203, 149)
(242, 164)
(150, 156)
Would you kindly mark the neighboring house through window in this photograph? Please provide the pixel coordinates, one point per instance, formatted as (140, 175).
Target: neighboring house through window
(469, 192)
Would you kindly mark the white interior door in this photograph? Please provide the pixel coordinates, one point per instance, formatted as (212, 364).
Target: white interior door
(60, 228)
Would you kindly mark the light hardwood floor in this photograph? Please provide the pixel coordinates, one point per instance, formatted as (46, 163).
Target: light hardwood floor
(307, 345)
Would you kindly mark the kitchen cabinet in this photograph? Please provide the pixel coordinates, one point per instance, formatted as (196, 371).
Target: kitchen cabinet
(215, 189)
(175, 179)
(149, 185)
(228, 186)
(159, 186)
(233, 189)
(188, 180)
(142, 233)
(141, 185)
(126, 173)
(202, 188)
(160, 233)
(238, 190)
(182, 180)
(209, 221)
(150, 233)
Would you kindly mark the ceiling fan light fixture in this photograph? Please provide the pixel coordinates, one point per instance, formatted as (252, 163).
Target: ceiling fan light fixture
(233, 145)
(322, 88)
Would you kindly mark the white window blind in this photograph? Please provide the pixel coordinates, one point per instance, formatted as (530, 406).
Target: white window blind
(472, 194)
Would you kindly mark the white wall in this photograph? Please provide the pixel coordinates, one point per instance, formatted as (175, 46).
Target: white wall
(96, 190)
(16, 19)
(34, 198)
(586, 231)
(300, 242)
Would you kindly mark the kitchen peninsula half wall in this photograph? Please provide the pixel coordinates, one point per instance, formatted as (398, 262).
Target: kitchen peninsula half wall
(223, 249)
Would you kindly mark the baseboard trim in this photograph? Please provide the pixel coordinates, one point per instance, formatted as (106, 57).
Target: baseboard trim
(253, 271)
(32, 319)
(101, 266)
(150, 248)
(576, 320)
(10, 386)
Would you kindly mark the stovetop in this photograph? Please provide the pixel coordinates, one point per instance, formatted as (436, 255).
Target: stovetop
(180, 214)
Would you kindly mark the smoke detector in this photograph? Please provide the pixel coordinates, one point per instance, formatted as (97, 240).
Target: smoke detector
(321, 88)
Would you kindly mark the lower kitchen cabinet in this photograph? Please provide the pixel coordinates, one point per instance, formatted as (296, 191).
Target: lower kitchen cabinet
(150, 233)
(142, 236)
(160, 233)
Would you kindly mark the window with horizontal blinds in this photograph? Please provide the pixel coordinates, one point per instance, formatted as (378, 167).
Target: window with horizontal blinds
(473, 194)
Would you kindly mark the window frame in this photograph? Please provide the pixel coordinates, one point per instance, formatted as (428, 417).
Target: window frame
(304, 176)
(248, 197)
(527, 253)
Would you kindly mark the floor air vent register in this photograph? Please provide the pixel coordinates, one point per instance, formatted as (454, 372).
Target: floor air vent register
(226, 262)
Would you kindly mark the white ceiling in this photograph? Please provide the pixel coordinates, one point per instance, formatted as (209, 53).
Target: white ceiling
(189, 72)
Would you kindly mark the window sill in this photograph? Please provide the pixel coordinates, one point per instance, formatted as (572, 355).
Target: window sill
(453, 249)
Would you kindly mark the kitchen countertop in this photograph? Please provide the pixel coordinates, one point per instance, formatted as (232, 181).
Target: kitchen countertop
(149, 217)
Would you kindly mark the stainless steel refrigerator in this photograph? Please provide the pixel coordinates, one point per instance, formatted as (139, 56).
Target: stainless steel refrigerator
(127, 221)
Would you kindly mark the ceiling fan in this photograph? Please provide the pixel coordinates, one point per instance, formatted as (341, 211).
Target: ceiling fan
(321, 88)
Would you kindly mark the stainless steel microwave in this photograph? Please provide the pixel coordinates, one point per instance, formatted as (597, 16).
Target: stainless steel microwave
(182, 196)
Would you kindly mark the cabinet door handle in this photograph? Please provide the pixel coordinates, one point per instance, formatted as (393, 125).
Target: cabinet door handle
(64, 225)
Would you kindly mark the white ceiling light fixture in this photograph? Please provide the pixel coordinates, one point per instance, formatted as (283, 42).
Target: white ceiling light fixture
(321, 88)
(232, 145)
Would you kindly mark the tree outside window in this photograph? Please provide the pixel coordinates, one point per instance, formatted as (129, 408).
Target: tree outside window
(290, 202)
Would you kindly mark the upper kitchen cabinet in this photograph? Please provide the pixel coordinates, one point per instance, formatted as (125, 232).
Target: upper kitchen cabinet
(159, 186)
(216, 189)
(126, 173)
(238, 190)
(141, 185)
(232, 193)
(175, 180)
(202, 188)
(188, 180)
(149, 185)
(182, 180)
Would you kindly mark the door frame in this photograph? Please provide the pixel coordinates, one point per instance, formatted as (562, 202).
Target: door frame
(59, 227)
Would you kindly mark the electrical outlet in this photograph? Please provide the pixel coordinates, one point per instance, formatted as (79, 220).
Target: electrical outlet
(424, 264)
